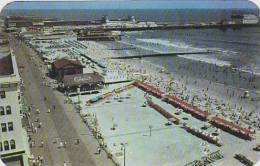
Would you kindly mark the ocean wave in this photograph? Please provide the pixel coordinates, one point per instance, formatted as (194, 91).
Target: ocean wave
(249, 69)
(142, 47)
(226, 52)
(183, 45)
(171, 44)
(232, 42)
(204, 59)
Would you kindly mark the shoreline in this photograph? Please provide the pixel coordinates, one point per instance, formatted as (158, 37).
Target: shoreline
(225, 73)
(228, 92)
(184, 86)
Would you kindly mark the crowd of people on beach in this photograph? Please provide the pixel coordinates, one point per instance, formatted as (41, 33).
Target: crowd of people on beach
(180, 87)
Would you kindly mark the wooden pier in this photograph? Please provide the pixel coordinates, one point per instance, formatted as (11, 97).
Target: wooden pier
(125, 48)
(170, 26)
(161, 54)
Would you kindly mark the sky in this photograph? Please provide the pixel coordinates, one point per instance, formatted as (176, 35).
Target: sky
(122, 4)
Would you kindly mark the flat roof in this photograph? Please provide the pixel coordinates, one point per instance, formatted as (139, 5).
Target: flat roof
(6, 66)
(8, 69)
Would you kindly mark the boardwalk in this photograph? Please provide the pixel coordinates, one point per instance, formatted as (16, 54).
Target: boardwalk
(61, 124)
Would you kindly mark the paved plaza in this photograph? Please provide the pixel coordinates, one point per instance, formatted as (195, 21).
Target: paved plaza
(167, 144)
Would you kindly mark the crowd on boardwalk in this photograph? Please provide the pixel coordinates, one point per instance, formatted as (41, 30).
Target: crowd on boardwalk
(36, 161)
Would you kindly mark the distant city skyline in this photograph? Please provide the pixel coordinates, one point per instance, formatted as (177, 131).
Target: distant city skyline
(190, 4)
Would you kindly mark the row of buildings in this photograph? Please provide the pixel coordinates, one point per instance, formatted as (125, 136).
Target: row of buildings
(50, 26)
(16, 23)
(241, 19)
(14, 147)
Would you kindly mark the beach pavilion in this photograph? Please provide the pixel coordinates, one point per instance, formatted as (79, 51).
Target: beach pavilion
(82, 82)
(63, 67)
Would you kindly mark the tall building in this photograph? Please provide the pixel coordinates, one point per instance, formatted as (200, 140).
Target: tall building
(14, 148)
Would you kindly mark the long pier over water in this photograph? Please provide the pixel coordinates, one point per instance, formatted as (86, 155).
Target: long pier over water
(121, 26)
(161, 54)
(179, 26)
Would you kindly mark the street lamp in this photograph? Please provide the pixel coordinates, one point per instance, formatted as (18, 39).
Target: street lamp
(123, 146)
(150, 127)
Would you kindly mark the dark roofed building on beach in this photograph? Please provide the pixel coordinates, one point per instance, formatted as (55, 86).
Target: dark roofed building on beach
(63, 67)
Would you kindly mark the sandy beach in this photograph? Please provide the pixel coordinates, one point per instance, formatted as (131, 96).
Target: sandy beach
(196, 82)
(207, 94)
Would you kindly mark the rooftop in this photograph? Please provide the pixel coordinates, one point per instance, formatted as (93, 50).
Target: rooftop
(79, 79)
(60, 63)
(6, 67)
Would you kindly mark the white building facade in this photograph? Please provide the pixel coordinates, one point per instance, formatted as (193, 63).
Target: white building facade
(14, 148)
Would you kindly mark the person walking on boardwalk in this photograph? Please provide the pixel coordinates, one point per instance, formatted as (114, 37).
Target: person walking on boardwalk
(39, 125)
(41, 159)
(33, 143)
(35, 130)
(61, 144)
(34, 162)
(65, 144)
(99, 150)
(42, 143)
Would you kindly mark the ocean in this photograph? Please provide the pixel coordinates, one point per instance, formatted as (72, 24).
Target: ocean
(165, 15)
(233, 48)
